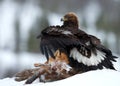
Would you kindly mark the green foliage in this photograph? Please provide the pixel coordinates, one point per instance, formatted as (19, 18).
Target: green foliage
(110, 26)
(17, 37)
(33, 42)
(84, 23)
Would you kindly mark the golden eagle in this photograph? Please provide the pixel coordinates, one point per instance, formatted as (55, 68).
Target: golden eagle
(84, 52)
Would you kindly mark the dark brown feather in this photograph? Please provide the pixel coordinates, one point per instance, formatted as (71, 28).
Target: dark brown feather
(69, 36)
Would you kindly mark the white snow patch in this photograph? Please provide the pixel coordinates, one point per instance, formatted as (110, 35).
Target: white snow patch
(12, 61)
(103, 77)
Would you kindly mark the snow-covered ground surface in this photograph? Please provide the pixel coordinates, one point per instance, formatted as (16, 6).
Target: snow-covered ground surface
(103, 77)
(26, 60)
(14, 62)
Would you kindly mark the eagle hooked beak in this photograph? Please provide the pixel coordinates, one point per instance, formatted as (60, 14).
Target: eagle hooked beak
(64, 19)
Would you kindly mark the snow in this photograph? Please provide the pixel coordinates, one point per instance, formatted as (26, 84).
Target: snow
(103, 77)
(11, 61)
(26, 60)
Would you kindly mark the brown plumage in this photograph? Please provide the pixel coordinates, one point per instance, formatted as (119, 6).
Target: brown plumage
(69, 51)
(84, 51)
(70, 20)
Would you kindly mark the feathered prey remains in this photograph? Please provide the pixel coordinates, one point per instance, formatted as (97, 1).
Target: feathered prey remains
(52, 70)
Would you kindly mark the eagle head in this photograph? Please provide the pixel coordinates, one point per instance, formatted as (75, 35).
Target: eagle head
(70, 19)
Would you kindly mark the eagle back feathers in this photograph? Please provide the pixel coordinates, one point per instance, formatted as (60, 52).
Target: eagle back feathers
(84, 51)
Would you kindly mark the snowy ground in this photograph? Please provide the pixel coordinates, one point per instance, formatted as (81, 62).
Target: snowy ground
(10, 61)
(103, 77)
(26, 60)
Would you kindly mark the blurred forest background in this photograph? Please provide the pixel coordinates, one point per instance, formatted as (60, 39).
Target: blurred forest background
(22, 20)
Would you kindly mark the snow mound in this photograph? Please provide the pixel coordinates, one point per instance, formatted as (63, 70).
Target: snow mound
(103, 77)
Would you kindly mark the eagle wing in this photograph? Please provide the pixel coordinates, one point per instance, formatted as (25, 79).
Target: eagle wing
(99, 55)
(54, 38)
(80, 47)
